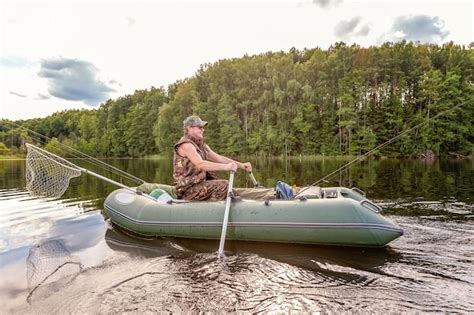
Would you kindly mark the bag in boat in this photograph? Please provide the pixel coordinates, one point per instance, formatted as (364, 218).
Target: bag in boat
(284, 191)
(161, 195)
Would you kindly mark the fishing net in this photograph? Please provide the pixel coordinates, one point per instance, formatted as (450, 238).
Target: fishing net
(47, 174)
(47, 263)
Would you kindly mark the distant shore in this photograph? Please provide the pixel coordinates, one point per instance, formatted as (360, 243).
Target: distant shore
(253, 157)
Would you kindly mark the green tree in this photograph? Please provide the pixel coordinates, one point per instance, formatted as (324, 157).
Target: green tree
(341, 100)
(230, 128)
(3, 149)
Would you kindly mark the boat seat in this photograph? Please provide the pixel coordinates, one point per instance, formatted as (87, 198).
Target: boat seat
(313, 192)
(256, 193)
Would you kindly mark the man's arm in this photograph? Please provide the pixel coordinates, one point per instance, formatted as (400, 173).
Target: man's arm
(189, 151)
(213, 156)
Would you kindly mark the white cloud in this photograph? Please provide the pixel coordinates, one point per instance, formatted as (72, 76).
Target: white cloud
(73, 79)
(347, 29)
(42, 97)
(17, 94)
(130, 21)
(363, 31)
(130, 46)
(417, 28)
(327, 3)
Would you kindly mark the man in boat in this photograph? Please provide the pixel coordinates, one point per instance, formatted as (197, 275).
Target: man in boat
(194, 164)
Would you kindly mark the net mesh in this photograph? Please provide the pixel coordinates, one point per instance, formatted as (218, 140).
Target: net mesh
(47, 263)
(47, 174)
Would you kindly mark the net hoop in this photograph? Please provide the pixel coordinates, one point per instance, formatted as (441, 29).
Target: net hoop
(50, 156)
(47, 174)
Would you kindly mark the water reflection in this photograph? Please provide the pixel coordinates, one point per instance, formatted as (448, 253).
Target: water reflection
(299, 255)
(429, 269)
(421, 273)
(381, 179)
(183, 276)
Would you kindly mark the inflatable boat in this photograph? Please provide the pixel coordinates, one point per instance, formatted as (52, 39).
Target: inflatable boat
(331, 216)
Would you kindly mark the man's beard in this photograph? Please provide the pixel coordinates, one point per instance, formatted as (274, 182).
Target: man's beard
(198, 141)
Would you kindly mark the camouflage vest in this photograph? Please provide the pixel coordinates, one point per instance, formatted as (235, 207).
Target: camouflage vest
(185, 173)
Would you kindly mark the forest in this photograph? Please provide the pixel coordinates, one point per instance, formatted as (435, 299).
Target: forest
(341, 101)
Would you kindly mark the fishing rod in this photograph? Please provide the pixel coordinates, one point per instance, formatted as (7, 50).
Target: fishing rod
(360, 158)
(79, 154)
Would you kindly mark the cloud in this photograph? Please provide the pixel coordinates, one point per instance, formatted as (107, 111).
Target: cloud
(42, 97)
(327, 3)
(349, 28)
(115, 82)
(18, 94)
(363, 31)
(130, 21)
(74, 80)
(346, 27)
(417, 28)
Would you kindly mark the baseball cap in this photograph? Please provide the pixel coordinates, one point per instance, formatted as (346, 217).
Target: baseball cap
(194, 120)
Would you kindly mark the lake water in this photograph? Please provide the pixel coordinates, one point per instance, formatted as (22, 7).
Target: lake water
(63, 256)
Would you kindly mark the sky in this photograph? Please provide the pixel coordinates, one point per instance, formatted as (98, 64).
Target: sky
(59, 55)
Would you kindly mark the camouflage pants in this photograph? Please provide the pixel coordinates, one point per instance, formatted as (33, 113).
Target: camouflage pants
(209, 190)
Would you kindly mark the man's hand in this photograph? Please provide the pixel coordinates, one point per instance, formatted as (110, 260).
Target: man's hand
(232, 166)
(246, 166)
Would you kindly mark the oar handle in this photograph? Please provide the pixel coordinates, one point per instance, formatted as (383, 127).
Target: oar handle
(220, 253)
(254, 181)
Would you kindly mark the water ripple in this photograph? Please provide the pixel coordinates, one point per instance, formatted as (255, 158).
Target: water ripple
(429, 269)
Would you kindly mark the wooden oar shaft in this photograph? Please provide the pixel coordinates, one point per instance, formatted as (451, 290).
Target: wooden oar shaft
(226, 215)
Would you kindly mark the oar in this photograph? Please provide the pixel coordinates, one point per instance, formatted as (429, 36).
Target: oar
(226, 215)
(254, 181)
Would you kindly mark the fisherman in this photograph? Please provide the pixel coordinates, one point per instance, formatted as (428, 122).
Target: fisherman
(194, 164)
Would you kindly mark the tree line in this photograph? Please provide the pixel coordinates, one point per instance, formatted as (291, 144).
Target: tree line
(340, 101)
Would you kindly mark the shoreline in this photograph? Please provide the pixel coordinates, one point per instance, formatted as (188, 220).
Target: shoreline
(252, 157)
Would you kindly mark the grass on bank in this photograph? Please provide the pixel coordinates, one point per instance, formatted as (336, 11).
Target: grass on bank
(276, 157)
(318, 157)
